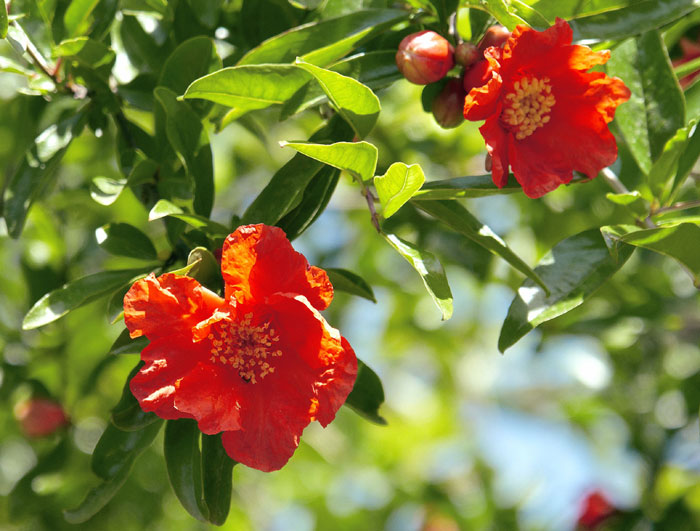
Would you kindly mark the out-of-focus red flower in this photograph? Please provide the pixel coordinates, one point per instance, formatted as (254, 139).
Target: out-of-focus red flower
(39, 417)
(594, 509)
(466, 54)
(545, 115)
(448, 105)
(691, 50)
(258, 364)
(424, 57)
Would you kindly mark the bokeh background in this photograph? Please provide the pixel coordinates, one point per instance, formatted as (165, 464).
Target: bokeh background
(604, 399)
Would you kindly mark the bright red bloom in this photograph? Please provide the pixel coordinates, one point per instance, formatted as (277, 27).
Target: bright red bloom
(39, 417)
(258, 364)
(545, 115)
(594, 509)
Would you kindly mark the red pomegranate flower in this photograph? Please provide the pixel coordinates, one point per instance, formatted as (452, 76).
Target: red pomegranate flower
(39, 417)
(258, 364)
(545, 115)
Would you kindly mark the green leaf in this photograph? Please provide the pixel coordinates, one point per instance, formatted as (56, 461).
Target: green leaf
(638, 17)
(664, 170)
(376, 70)
(458, 187)
(349, 282)
(323, 42)
(75, 294)
(165, 208)
(455, 216)
(191, 143)
(37, 170)
(355, 102)
(4, 23)
(97, 498)
(89, 53)
(357, 158)
(431, 271)
(217, 472)
(105, 190)
(118, 449)
(677, 242)
(123, 239)
(572, 270)
(367, 394)
(184, 462)
(191, 60)
(655, 110)
(285, 190)
(500, 9)
(251, 87)
(124, 344)
(77, 14)
(692, 98)
(127, 415)
(687, 160)
(632, 201)
(398, 185)
(206, 269)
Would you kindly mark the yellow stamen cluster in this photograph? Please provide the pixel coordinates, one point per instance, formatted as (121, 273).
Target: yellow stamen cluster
(528, 107)
(245, 347)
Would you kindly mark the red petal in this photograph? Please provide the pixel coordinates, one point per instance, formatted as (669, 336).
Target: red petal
(258, 261)
(158, 307)
(335, 384)
(208, 394)
(167, 361)
(482, 102)
(497, 141)
(527, 46)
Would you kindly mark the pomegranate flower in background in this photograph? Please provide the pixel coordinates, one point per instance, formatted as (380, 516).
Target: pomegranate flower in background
(258, 364)
(594, 509)
(39, 417)
(545, 116)
(691, 50)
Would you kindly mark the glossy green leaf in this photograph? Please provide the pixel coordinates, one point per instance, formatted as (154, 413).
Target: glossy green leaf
(572, 270)
(123, 239)
(376, 70)
(117, 449)
(638, 17)
(355, 102)
(77, 15)
(398, 185)
(75, 294)
(189, 139)
(632, 201)
(677, 242)
(97, 498)
(251, 87)
(184, 463)
(655, 110)
(455, 216)
(206, 269)
(663, 172)
(105, 190)
(4, 23)
(286, 188)
(323, 42)
(127, 415)
(165, 208)
(191, 60)
(349, 282)
(687, 160)
(459, 187)
(37, 170)
(367, 394)
(431, 271)
(500, 9)
(124, 344)
(357, 158)
(217, 475)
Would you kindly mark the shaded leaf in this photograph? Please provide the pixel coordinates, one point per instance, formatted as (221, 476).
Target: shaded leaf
(164, 208)
(572, 270)
(123, 239)
(458, 187)
(664, 170)
(431, 271)
(127, 415)
(349, 282)
(367, 394)
(77, 14)
(217, 475)
(398, 185)
(89, 53)
(632, 201)
(4, 23)
(97, 498)
(124, 344)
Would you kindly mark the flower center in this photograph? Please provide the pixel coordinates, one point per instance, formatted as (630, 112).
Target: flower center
(247, 348)
(528, 107)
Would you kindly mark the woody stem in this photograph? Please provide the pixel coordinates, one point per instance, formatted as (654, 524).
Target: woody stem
(614, 183)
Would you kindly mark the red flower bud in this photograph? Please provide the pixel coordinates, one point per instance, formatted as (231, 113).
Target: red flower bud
(466, 54)
(39, 417)
(448, 106)
(477, 76)
(424, 57)
(494, 36)
(594, 509)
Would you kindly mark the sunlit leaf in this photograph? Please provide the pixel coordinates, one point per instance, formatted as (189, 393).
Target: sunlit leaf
(398, 185)
(357, 158)
(344, 280)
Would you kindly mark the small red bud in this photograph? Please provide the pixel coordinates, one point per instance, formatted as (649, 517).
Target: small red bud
(477, 76)
(448, 106)
(466, 54)
(494, 36)
(594, 509)
(39, 417)
(424, 57)
(488, 163)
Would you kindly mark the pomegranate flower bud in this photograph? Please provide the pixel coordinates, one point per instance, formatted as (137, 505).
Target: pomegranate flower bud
(466, 54)
(477, 76)
(448, 106)
(39, 417)
(424, 57)
(494, 36)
